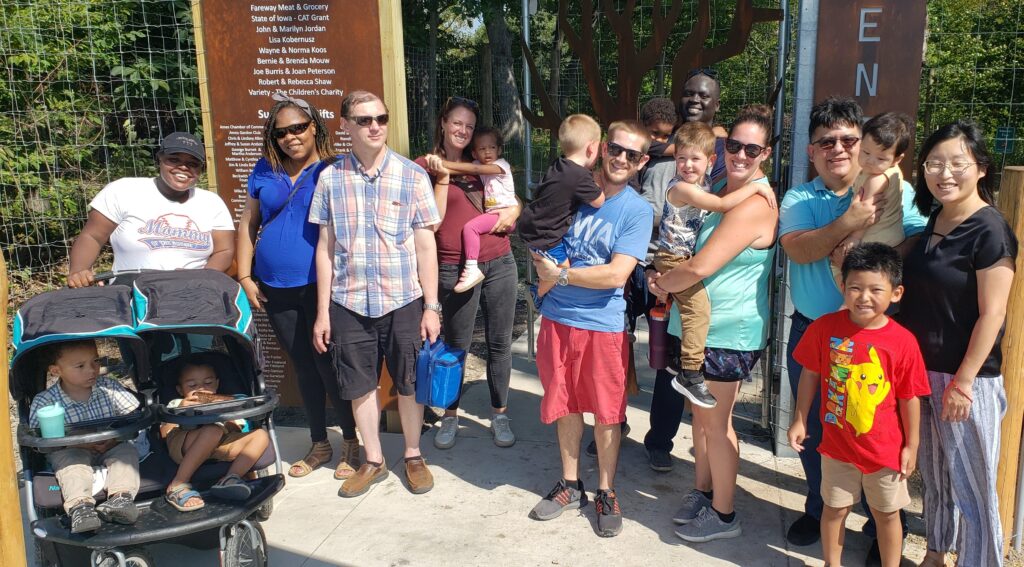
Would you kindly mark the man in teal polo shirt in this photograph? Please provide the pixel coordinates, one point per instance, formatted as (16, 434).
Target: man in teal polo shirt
(814, 218)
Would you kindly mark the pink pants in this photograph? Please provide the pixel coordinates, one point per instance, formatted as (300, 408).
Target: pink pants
(481, 224)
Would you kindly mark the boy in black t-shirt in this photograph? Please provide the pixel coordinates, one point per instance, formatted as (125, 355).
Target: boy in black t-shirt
(568, 183)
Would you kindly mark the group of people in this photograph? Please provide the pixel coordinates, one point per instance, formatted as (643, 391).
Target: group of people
(358, 259)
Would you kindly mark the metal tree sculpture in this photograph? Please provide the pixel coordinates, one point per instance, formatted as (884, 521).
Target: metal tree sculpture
(634, 62)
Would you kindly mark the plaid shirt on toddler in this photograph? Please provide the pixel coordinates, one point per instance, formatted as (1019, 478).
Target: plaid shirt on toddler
(108, 399)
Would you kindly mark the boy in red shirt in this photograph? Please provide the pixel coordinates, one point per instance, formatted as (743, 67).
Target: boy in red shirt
(872, 373)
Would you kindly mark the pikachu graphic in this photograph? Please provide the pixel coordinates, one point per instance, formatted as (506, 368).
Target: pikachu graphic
(866, 388)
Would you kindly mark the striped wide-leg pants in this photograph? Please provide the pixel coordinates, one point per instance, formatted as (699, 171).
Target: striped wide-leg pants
(958, 463)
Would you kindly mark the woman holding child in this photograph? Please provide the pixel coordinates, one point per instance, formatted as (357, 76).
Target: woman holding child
(451, 164)
(733, 257)
(277, 271)
(958, 279)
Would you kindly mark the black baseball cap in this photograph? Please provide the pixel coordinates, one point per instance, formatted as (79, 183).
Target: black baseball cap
(183, 143)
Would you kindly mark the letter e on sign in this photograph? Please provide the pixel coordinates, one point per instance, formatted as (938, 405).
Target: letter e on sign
(865, 24)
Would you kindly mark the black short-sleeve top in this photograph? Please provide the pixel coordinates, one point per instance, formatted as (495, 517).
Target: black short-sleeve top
(565, 186)
(940, 306)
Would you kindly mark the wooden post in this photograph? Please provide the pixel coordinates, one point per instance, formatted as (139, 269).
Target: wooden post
(12, 540)
(1011, 203)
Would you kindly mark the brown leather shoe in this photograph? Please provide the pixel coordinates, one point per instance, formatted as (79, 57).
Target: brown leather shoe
(418, 475)
(365, 477)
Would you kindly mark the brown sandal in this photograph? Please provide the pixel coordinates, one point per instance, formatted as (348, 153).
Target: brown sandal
(319, 454)
(350, 461)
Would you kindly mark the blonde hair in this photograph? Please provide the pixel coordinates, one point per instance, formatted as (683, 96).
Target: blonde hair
(576, 131)
(632, 127)
(696, 135)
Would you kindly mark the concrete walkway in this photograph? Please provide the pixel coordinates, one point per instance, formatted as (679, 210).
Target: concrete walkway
(477, 512)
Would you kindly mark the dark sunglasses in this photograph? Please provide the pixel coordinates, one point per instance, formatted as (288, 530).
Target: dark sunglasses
(711, 73)
(827, 144)
(632, 156)
(294, 130)
(364, 121)
(454, 101)
(734, 147)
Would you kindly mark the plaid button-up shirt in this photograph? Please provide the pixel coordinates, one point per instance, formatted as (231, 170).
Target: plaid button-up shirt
(373, 219)
(108, 399)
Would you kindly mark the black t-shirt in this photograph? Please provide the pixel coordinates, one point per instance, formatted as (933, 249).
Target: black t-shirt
(546, 219)
(941, 302)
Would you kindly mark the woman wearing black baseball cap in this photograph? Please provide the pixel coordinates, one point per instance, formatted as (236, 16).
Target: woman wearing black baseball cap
(157, 223)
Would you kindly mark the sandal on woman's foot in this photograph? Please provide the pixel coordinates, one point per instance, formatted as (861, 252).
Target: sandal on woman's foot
(320, 453)
(180, 495)
(350, 461)
(231, 487)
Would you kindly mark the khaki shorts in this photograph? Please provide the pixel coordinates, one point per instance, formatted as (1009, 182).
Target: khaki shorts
(841, 485)
(176, 441)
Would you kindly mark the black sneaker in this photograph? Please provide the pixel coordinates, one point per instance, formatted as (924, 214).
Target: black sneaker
(609, 516)
(806, 530)
(691, 384)
(561, 498)
(84, 518)
(591, 449)
(659, 460)
(119, 508)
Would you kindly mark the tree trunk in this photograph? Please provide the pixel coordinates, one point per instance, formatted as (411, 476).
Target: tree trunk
(555, 88)
(507, 113)
(486, 85)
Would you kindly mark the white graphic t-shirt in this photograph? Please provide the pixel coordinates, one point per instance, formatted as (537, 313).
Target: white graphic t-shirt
(154, 233)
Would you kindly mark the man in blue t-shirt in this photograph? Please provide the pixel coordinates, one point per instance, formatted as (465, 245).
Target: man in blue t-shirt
(582, 349)
(814, 219)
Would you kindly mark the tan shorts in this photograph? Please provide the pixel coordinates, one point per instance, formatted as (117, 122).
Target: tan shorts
(176, 441)
(841, 484)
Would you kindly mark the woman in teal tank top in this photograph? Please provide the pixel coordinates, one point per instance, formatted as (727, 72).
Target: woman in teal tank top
(734, 259)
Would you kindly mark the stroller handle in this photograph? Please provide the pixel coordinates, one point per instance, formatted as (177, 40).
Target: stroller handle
(105, 277)
(117, 428)
(197, 415)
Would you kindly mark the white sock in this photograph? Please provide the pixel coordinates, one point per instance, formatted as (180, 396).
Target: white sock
(470, 264)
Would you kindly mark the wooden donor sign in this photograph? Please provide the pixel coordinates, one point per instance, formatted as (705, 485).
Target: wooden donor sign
(872, 50)
(316, 50)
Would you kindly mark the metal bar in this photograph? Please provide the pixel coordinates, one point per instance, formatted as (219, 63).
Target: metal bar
(527, 175)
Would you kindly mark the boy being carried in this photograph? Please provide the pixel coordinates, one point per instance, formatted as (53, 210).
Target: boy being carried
(229, 442)
(686, 205)
(872, 373)
(86, 396)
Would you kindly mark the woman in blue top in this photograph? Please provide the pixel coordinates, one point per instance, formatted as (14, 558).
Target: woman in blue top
(282, 279)
(734, 258)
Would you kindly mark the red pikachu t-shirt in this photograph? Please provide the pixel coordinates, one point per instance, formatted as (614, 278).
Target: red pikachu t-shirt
(863, 373)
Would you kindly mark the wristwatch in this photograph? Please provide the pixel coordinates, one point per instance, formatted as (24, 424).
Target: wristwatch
(432, 306)
(563, 277)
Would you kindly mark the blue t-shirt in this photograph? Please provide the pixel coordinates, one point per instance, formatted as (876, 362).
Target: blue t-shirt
(621, 226)
(284, 253)
(811, 206)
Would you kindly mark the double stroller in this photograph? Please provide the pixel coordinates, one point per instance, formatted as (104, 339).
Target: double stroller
(144, 332)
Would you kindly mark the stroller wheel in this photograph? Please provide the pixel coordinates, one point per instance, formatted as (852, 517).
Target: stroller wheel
(133, 557)
(245, 545)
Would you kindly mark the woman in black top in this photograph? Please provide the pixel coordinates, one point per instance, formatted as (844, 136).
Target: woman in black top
(958, 281)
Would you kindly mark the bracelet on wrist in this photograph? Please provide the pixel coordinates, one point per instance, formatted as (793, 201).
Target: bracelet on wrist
(960, 391)
(243, 277)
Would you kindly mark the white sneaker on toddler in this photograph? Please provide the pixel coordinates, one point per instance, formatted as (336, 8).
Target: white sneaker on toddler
(471, 276)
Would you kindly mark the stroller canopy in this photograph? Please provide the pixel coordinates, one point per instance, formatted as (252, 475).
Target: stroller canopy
(191, 301)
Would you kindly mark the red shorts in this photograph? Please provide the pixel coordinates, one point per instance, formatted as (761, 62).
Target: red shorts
(582, 371)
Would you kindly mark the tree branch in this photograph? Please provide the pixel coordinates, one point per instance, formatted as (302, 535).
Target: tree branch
(551, 119)
(688, 53)
(739, 34)
(581, 44)
(648, 57)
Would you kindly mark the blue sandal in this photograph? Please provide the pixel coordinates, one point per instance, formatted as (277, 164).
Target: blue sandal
(231, 487)
(181, 494)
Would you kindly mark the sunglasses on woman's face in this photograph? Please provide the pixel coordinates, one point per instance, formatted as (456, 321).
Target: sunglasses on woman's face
(364, 121)
(294, 130)
(734, 147)
(632, 156)
(454, 101)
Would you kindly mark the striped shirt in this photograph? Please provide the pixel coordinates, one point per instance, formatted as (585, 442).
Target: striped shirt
(108, 399)
(373, 219)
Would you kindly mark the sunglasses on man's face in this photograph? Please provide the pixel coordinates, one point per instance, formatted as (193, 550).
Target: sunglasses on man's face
(711, 73)
(827, 144)
(364, 121)
(294, 130)
(734, 147)
(632, 156)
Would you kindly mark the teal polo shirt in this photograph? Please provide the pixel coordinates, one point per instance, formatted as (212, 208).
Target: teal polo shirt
(811, 206)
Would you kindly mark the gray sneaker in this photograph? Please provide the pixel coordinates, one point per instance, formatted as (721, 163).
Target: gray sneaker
(502, 430)
(693, 503)
(445, 436)
(707, 526)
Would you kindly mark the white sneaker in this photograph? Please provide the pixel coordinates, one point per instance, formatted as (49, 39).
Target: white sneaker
(501, 428)
(471, 276)
(445, 436)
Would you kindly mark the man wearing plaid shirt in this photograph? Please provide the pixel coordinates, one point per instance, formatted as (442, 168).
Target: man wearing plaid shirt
(376, 265)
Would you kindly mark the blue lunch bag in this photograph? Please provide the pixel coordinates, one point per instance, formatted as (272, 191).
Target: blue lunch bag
(439, 374)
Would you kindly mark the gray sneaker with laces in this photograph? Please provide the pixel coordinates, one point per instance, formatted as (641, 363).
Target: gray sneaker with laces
(693, 503)
(707, 526)
(445, 436)
(501, 428)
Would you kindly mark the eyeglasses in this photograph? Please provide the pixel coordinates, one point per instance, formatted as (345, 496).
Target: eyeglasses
(454, 101)
(827, 144)
(711, 73)
(956, 169)
(364, 121)
(294, 130)
(632, 156)
(734, 147)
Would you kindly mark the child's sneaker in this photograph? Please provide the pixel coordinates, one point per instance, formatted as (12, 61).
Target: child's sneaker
(84, 518)
(561, 498)
(471, 276)
(691, 384)
(707, 526)
(119, 508)
(693, 502)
